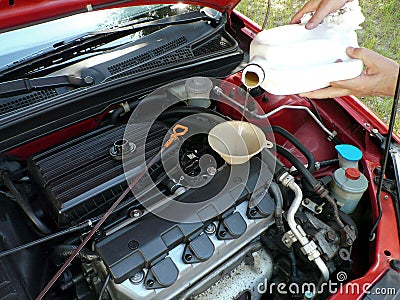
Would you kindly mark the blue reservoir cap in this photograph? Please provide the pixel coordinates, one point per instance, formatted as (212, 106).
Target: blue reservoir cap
(349, 152)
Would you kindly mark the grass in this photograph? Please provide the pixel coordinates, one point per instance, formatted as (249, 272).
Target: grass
(380, 32)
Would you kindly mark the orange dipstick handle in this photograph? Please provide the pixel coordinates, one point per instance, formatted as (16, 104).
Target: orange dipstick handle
(179, 130)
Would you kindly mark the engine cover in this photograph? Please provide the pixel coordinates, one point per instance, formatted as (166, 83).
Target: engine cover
(80, 178)
(173, 256)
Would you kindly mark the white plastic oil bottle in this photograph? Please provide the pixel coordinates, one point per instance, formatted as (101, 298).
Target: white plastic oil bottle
(292, 59)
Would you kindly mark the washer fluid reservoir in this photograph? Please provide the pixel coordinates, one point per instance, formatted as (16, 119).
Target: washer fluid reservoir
(291, 59)
(348, 155)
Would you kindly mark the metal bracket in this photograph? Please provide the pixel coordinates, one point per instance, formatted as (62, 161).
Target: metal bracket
(288, 239)
(312, 206)
(350, 235)
(380, 137)
(331, 136)
(389, 186)
(311, 251)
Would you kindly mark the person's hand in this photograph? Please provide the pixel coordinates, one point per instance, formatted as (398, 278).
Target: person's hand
(378, 79)
(321, 7)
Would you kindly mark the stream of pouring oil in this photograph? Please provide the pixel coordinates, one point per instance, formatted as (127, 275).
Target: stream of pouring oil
(240, 129)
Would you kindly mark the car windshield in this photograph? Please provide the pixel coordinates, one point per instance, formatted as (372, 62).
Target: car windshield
(23, 42)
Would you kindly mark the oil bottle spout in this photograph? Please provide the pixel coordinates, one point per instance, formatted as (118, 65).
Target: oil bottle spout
(253, 74)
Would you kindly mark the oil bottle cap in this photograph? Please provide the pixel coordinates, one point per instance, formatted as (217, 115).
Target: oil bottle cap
(352, 173)
(349, 152)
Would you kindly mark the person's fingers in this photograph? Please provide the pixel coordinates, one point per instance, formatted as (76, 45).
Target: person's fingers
(296, 18)
(323, 10)
(370, 58)
(359, 83)
(329, 92)
(309, 6)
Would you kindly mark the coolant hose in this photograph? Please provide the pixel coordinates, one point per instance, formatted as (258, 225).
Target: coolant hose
(297, 164)
(277, 194)
(292, 139)
(120, 110)
(23, 202)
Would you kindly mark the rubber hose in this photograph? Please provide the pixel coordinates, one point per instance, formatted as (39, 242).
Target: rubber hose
(321, 164)
(293, 265)
(297, 164)
(120, 110)
(276, 192)
(273, 163)
(103, 289)
(315, 109)
(328, 162)
(295, 142)
(116, 113)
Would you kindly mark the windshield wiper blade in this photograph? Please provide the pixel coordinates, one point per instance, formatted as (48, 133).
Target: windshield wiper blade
(25, 85)
(64, 51)
(186, 18)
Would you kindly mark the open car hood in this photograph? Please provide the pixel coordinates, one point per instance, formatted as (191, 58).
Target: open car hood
(16, 14)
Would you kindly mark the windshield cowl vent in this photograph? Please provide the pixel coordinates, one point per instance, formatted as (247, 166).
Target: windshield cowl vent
(13, 104)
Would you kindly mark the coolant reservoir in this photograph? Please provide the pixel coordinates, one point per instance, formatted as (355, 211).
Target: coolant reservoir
(348, 186)
(292, 59)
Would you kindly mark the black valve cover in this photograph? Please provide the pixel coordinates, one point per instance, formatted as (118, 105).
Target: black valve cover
(80, 178)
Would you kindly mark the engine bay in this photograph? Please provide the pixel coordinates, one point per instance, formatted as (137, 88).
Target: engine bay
(148, 256)
(194, 226)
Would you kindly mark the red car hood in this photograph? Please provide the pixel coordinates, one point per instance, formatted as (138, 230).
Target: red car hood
(21, 13)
